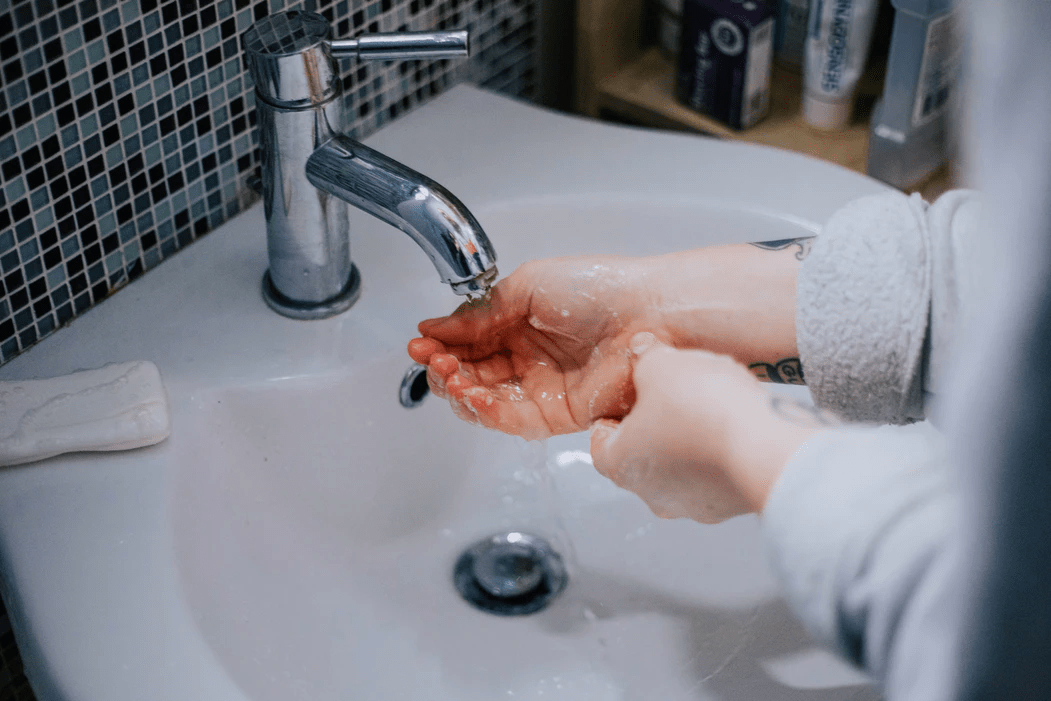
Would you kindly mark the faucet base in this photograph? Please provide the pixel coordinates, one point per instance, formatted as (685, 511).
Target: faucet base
(313, 310)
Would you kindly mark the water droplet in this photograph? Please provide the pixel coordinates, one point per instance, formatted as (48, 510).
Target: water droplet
(480, 297)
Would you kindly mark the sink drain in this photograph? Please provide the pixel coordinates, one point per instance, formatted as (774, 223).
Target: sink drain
(511, 574)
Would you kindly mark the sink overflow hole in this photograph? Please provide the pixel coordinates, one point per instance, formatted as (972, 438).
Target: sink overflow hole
(414, 387)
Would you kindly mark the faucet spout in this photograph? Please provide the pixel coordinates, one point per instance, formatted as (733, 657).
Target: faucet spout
(310, 172)
(431, 215)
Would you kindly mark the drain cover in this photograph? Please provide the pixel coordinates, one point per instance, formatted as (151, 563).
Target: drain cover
(510, 574)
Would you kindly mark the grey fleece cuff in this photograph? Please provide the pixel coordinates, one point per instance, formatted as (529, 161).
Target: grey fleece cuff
(863, 308)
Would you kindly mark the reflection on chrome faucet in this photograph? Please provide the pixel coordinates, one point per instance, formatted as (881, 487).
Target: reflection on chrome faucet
(311, 172)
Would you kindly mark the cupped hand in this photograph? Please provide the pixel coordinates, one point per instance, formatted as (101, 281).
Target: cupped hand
(704, 440)
(550, 351)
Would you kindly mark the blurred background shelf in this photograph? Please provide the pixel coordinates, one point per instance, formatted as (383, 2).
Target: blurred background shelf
(620, 79)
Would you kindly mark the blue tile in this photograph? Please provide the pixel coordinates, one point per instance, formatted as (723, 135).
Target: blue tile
(7, 148)
(131, 144)
(111, 20)
(129, 234)
(96, 51)
(72, 157)
(76, 61)
(89, 125)
(121, 84)
(129, 125)
(39, 199)
(44, 218)
(114, 155)
(46, 325)
(34, 268)
(70, 135)
(17, 93)
(32, 60)
(80, 84)
(15, 189)
(151, 22)
(73, 39)
(107, 224)
(129, 11)
(28, 251)
(56, 282)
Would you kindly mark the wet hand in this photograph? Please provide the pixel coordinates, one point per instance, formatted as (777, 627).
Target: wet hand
(704, 440)
(548, 353)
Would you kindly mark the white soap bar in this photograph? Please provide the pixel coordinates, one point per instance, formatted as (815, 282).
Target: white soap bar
(118, 407)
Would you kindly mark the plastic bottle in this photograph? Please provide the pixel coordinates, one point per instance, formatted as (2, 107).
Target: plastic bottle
(909, 129)
(790, 41)
(837, 47)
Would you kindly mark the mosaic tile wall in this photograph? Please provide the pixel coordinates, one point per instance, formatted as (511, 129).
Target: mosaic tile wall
(126, 128)
(126, 133)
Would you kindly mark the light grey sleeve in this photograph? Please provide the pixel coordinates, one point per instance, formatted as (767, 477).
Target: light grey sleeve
(879, 299)
(856, 530)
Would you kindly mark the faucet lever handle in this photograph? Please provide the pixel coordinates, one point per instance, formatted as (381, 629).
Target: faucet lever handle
(403, 46)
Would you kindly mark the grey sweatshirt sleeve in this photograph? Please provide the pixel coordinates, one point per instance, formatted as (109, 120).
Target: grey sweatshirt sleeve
(857, 527)
(879, 299)
(857, 530)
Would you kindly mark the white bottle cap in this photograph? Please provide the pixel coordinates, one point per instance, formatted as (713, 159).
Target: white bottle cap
(829, 116)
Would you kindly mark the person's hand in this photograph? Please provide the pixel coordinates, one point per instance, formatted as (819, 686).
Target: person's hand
(549, 353)
(704, 439)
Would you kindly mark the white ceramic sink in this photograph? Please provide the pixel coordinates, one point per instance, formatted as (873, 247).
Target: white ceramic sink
(295, 537)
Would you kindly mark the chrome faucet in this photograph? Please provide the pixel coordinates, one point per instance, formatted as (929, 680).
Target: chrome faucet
(311, 171)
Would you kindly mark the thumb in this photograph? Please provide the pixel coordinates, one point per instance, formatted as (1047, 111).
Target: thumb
(649, 357)
(641, 343)
(604, 444)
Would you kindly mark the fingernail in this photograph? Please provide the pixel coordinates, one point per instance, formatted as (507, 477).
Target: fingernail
(604, 428)
(421, 349)
(641, 342)
(444, 364)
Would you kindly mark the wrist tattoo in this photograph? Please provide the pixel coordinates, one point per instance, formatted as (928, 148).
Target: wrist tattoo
(802, 244)
(785, 372)
(800, 413)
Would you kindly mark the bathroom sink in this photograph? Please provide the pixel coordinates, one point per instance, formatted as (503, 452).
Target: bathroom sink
(296, 535)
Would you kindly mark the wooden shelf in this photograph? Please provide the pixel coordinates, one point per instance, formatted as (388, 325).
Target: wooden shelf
(642, 91)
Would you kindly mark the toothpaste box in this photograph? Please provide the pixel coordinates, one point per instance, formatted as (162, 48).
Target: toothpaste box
(726, 59)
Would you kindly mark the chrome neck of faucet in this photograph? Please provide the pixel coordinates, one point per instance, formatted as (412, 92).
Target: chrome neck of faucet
(311, 171)
(435, 219)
